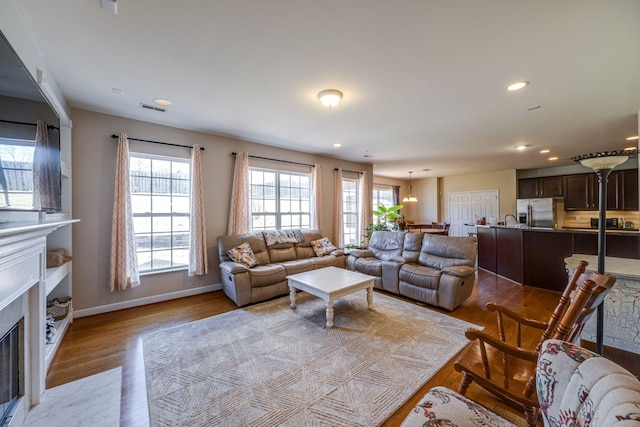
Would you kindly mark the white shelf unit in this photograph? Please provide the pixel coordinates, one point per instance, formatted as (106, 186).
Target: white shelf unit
(57, 285)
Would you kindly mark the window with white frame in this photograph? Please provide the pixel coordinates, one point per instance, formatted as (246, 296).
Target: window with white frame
(280, 200)
(382, 195)
(350, 212)
(160, 199)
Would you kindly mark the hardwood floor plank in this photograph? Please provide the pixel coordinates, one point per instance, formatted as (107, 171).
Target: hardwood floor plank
(105, 341)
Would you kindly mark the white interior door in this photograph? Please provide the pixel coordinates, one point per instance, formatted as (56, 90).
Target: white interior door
(467, 207)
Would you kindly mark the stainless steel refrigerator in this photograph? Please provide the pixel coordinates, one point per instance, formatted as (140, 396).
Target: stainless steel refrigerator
(537, 212)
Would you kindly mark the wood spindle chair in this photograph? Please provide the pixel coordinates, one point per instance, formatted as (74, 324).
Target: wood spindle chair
(507, 369)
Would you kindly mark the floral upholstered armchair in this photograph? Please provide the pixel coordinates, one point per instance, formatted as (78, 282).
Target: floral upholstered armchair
(575, 387)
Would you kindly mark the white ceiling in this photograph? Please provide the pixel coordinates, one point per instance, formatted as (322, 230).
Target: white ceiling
(423, 81)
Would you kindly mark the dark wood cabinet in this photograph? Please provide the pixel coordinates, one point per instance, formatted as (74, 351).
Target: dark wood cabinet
(509, 259)
(487, 248)
(536, 257)
(551, 186)
(628, 189)
(578, 192)
(544, 254)
(582, 192)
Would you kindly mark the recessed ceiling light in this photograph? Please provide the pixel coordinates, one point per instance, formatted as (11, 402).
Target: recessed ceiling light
(517, 85)
(545, 151)
(337, 144)
(162, 102)
(553, 158)
(629, 148)
(521, 147)
(632, 138)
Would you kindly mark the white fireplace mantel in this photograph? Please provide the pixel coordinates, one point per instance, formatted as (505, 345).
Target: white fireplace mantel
(23, 248)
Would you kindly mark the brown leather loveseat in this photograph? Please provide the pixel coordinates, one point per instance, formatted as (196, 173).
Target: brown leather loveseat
(435, 269)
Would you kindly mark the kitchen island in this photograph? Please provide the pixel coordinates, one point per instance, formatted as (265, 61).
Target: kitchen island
(536, 256)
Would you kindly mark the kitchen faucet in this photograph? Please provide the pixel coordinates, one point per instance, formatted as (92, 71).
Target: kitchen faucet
(510, 215)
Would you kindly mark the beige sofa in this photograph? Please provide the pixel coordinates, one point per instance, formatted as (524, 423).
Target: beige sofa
(436, 269)
(267, 280)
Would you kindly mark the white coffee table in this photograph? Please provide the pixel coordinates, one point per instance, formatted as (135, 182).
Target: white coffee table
(330, 283)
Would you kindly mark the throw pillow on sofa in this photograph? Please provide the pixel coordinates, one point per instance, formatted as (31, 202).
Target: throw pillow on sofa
(322, 246)
(243, 254)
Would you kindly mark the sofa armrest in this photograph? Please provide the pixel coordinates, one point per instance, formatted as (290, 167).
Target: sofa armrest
(459, 271)
(233, 267)
(337, 252)
(360, 253)
(399, 259)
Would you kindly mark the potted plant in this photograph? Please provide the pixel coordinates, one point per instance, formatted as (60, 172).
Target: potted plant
(388, 218)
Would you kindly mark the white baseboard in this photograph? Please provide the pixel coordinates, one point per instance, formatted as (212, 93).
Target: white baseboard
(144, 301)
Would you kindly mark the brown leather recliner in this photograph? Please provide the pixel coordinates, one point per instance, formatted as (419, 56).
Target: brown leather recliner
(438, 270)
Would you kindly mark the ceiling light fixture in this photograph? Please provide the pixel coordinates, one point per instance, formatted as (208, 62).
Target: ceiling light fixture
(330, 98)
(337, 144)
(517, 85)
(545, 151)
(629, 148)
(410, 198)
(521, 147)
(632, 138)
(553, 158)
(162, 102)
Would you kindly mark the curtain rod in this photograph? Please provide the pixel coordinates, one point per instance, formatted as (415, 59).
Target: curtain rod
(347, 170)
(277, 160)
(27, 124)
(157, 142)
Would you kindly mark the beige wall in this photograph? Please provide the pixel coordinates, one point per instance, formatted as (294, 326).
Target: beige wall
(503, 181)
(94, 153)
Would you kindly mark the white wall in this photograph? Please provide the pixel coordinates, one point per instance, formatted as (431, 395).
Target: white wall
(503, 181)
(94, 154)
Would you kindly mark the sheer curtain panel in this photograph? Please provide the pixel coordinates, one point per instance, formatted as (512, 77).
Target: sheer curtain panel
(239, 206)
(124, 261)
(338, 219)
(197, 230)
(366, 214)
(316, 201)
(46, 171)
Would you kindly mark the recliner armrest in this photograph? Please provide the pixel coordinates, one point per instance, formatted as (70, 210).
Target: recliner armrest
(459, 271)
(399, 259)
(233, 267)
(361, 253)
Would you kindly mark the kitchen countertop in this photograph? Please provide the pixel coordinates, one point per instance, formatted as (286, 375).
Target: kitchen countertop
(563, 230)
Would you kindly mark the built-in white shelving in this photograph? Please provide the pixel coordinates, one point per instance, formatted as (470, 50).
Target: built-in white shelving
(55, 275)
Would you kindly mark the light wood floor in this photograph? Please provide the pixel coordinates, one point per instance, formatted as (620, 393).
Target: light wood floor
(98, 343)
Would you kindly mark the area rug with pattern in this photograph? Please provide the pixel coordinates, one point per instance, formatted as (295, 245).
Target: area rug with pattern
(269, 365)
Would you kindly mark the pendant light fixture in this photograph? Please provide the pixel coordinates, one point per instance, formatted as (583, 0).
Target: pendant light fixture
(410, 198)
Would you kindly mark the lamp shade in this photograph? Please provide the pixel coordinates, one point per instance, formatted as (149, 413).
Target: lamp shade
(605, 159)
(330, 97)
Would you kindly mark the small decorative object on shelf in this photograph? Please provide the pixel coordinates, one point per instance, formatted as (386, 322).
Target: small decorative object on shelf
(51, 329)
(58, 308)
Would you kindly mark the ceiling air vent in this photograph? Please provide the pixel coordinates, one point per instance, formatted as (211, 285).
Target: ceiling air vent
(151, 107)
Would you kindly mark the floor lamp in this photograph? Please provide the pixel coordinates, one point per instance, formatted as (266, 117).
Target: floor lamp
(602, 163)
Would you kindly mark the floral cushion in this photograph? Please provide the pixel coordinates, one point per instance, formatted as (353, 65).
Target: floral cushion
(444, 407)
(577, 387)
(243, 255)
(322, 246)
(274, 237)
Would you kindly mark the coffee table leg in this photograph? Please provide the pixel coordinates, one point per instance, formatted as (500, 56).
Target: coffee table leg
(292, 296)
(330, 314)
(370, 298)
